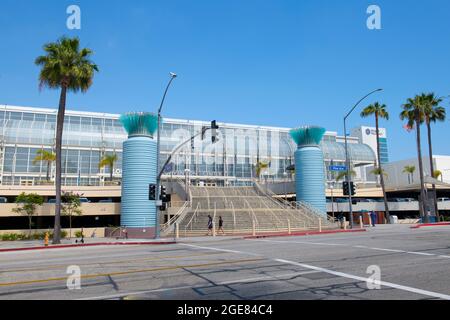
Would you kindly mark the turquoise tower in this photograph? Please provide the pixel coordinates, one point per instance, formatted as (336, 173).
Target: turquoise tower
(138, 213)
(309, 166)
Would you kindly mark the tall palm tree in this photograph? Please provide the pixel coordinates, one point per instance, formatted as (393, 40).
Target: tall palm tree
(108, 161)
(433, 113)
(380, 112)
(409, 170)
(67, 67)
(45, 156)
(413, 112)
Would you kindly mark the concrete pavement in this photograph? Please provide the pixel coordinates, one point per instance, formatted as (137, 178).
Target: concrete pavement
(414, 264)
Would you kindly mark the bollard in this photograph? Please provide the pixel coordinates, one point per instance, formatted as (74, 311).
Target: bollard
(289, 227)
(320, 224)
(253, 227)
(214, 229)
(361, 223)
(46, 239)
(345, 223)
(177, 230)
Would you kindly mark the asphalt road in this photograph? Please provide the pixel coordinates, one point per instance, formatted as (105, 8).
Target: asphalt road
(413, 264)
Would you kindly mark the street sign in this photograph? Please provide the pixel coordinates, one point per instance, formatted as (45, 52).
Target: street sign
(338, 168)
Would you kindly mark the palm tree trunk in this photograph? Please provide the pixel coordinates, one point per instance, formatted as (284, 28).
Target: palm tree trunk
(430, 150)
(422, 203)
(48, 170)
(59, 133)
(386, 206)
(111, 168)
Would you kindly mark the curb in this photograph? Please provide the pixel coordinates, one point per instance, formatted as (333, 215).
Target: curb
(64, 246)
(297, 234)
(440, 224)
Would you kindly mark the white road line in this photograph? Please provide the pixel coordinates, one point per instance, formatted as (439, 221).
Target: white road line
(446, 257)
(388, 250)
(217, 249)
(358, 247)
(421, 253)
(383, 283)
(349, 276)
(279, 277)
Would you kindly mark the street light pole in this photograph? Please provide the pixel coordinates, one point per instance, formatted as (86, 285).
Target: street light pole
(158, 151)
(347, 159)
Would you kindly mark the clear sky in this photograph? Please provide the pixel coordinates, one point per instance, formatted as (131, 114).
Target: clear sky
(266, 62)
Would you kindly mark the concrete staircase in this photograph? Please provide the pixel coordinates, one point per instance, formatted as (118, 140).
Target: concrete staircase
(247, 210)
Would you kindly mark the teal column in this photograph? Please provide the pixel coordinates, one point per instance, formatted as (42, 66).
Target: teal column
(309, 167)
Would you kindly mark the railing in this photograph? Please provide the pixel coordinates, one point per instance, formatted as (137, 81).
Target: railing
(194, 215)
(179, 216)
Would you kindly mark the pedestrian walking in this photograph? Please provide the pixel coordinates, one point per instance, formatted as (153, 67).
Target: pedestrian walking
(221, 225)
(374, 218)
(210, 226)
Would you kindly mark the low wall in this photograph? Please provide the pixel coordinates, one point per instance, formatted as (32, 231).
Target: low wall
(88, 232)
(89, 209)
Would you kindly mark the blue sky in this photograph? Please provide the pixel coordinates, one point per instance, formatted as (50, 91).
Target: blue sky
(267, 62)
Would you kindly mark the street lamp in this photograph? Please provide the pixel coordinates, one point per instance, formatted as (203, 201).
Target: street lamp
(285, 174)
(158, 179)
(347, 159)
(331, 187)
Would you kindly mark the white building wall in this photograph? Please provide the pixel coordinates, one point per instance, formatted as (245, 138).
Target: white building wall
(396, 177)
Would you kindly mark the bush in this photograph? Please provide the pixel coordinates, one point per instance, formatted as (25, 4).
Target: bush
(34, 236)
(78, 234)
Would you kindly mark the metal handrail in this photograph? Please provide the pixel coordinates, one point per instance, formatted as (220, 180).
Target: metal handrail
(169, 223)
(192, 218)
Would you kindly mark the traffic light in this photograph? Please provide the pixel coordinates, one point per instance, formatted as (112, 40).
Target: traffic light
(152, 192)
(163, 194)
(346, 189)
(214, 128)
(164, 198)
(352, 188)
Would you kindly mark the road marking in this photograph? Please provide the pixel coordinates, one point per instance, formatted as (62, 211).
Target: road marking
(120, 273)
(420, 253)
(359, 247)
(388, 250)
(446, 257)
(349, 276)
(106, 263)
(383, 283)
(201, 286)
(217, 249)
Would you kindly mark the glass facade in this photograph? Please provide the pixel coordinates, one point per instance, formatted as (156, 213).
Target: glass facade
(89, 136)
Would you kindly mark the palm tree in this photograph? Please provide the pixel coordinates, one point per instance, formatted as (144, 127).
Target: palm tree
(66, 67)
(409, 170)
(380, 111)
(108, 161)
(437, 174)
(45, 156)
(413, 112)
(260, 167)
(433, 113)
(343, 174)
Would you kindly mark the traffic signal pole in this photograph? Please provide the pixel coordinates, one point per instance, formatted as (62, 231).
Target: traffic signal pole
(347, 158)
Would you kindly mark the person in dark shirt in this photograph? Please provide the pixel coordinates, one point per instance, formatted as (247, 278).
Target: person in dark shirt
(221, 225)
(210, 226)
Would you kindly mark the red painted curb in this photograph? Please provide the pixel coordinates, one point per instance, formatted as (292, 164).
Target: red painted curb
(297, 234)
(88, 245)
(440, 224)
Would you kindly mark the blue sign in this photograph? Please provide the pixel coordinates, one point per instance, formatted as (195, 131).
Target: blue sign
(338, 168)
